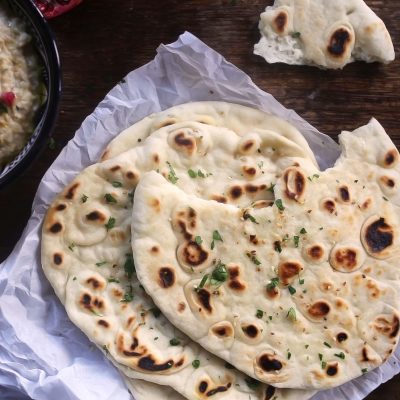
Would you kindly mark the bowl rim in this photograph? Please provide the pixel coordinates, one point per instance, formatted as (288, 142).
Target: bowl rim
(54, 88)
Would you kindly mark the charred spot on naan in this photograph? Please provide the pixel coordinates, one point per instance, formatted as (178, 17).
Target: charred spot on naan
(377, 237)
(319, 310)
(191, 256)
(344, 195)
(235, 192)
(280, 22)
(234, 281)
(219, 198)
(183, 142)
(387, 325)
(70, 191)
(250, 330)
(133, 350)
(314, 253)
(91, 303)
(342, 337)
(390, 159)
(332, 369)
(55, 228)
(387, 182)
(288, 271)
(103, 323)
(222, 330)
(295, 181)
(184, 221)
(96, 217)
(58, 258)
(166, 277)
(340, 43)
(262, 204)
(132, 177)
(60, 207)
(249, 172)
(272, 292)
(329, 205)
(269, 363)
(207, 389)
(346, 258)
(204, 300)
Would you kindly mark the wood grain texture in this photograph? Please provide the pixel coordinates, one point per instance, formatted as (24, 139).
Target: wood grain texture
(101, 41)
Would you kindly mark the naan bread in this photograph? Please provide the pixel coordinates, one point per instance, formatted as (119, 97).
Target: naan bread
(142, 390)
(86, 252)
(325, 33)
(239, 119)
(304, 293)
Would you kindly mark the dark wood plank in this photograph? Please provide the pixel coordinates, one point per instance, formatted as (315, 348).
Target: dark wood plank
(102, 41)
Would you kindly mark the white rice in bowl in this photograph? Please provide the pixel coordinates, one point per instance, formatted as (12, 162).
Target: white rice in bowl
(20, 86)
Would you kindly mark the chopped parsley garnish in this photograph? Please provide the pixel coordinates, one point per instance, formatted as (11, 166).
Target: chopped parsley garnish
(296, 240)
(105, 348)
(289, 355)
(340, 355)
(155, 311)
(84, 198)
(110, 224)
(174, 342)
(385, 198)
(260, 314)
(156, 338)
(279, 204)
(74, 278)
(200, 174)
(273, 284)
(320, 356)
(260, 164)
(110, 198)
(301, 281)
(216, 237)
(192, 173)
(295, 35)
(111, 280)
(327, 345)
(220, 274)
(311, 178)
(253, 257)
(71, 246)
(95, 312)
(323, 364)
(99, 264)
(196, 364)
(307, 346)
(172, 175)
(364, 370)
(198, 240)
(117, 184)
(128, 297)
(292, 290)
(129, 266)
(303, 231)
(246, 215)
(252, 383)
(203, 281)
(291, 314)
(271, 188)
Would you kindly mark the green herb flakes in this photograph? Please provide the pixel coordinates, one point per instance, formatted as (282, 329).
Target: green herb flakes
(198, 240)
(253, 257)
(110, 224)
(196, 364)
(311, 178)
(323, 364)
(129, 266)
(174, 342)
(295, 35)
(216, 237)
(340, 355)
(84, 198)
(192, 173)
(111, 280)
(271, 188)
(303, 231)
(292, 290)
(260, 314)
(289, 355)
(291, 314)
(272, 285)
(110, 198)
(220, 274)
(248, 216)
(364, 370)
(279, 204)
(296, 240)
(117, 184)
(203, 281)
(71, 246)
(128, 297)
(278, 246)
(99, 264)
(172, 175)
(327, 345)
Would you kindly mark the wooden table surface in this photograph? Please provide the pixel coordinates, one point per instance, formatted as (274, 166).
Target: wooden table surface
(101, 41)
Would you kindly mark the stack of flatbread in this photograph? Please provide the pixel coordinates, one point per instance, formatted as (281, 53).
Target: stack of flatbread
(244, 271)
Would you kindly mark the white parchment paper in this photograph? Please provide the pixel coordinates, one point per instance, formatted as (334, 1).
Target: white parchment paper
(42, 354)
